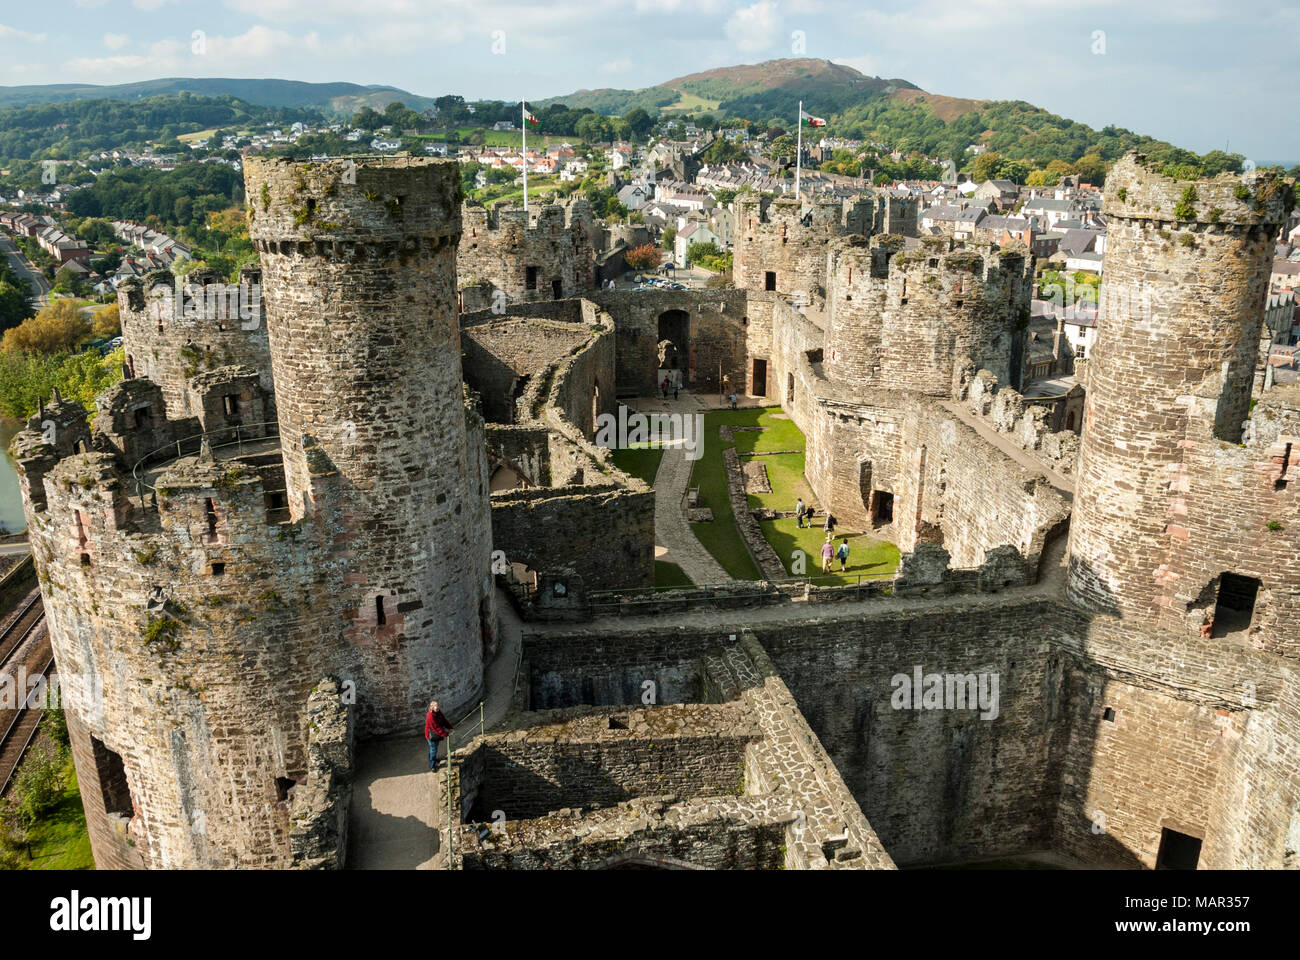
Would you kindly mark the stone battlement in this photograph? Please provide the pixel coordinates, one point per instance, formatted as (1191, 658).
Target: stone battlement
(1137, 190)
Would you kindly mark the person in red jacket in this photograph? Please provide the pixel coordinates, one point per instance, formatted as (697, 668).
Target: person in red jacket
(436, 729)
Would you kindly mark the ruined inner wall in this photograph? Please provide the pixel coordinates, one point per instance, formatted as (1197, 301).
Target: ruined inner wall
(358, 263)
(500, 247)
(1234, 509)
(169, 339)
(937, 785)
(1187, 267)
(717, 331)
(502, 354)
(976, 497)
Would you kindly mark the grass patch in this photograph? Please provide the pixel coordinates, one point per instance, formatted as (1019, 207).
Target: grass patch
(868, 556)
(721, 538)
(641, 461)
(785, 473)
(669, 576)
(59, 839)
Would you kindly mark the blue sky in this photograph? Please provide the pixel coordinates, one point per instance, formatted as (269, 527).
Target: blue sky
(1200, 73)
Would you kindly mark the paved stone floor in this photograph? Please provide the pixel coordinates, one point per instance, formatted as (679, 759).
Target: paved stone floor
(674, 540)
(398, 807)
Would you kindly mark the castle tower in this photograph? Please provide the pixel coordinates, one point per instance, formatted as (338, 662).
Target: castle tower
(925, 320)
(174, 329)
(359, 267)
(1186, 277)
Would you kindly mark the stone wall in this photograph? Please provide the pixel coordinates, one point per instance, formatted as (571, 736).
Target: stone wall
(169, 338)
(551, 259)
(957, 486)
(773, 239)
(320, 805)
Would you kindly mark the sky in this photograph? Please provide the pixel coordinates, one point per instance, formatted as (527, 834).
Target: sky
(1203, 74)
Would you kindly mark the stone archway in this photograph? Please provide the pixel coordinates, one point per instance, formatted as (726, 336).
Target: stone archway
(674, 346)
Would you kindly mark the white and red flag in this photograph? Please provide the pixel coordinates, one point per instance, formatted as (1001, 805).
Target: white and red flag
(809, 119)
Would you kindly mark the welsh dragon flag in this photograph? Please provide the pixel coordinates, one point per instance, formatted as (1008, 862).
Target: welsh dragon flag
(808, 118)
(532, 121)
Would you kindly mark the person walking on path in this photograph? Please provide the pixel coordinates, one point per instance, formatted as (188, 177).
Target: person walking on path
(676, 386)
(798, 513)
(733, 401)
(436, 729)
(830, 522)
(827, 552)
(843, 554)
(665, 387)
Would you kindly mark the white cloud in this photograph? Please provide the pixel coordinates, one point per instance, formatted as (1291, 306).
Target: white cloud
(616, 66)
(755, 27)
(9, 33)
(116, 41)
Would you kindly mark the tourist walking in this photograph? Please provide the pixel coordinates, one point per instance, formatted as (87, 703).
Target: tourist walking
(843, 554)
(827, 553)
(665, 387)
(733, 401)
(830, 522)
(798, 513)
(436, 729)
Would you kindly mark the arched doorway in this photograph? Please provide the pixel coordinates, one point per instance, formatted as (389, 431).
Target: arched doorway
(673, 344)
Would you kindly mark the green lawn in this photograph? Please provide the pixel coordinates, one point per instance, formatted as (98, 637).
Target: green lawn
(868, 556)
(785, 473)
(669, 575)
(721, 538)
(59, 841)
(640, 460)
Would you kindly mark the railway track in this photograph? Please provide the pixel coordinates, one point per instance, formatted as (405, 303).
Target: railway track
(20, 730)
(21, 628)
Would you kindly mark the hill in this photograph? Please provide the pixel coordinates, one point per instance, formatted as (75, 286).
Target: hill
(339, 98)
(894, 112)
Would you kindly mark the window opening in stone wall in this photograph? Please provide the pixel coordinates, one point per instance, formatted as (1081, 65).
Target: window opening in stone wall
(1280, 483)
(1108, 714)
(111, 772)
(789, 388)
(530, 278)
(230, 405)
(759, 388)
(557, 288)
(210, 515)
(218, 569)
(282, 787)
(883, 507)
(83, 541)
(142, 418)
(1235, 606)
(1178, 851)
(769, 280)
(380, 617)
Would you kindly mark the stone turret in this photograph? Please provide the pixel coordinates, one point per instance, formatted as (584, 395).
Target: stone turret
(1187, 269)
(546, 254)
(359, 263)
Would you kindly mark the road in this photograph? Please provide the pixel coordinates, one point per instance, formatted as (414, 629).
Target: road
(24, 268)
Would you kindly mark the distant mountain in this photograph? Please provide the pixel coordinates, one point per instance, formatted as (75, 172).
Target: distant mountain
(340, 98)
(771, 88)
(895, 112)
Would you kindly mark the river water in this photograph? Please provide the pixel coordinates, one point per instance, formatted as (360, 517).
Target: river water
(11, 501)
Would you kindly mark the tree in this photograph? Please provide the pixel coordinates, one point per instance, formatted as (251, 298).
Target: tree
(985, 166)
(782, 148)
(643, 257)
(106, 323)
(638, 122)
(58, 328)
(14, 305)
(1090, 168)
(670, 237)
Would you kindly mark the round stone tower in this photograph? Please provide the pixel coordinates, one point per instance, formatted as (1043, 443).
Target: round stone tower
(1178, 335)
(359, 286)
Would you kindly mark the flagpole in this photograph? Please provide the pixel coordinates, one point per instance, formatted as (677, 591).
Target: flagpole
(798, 154)
(523, 130)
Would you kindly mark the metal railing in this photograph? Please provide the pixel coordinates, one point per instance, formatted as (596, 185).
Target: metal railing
(235, 435)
